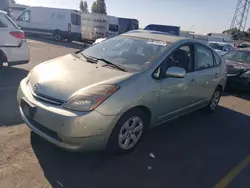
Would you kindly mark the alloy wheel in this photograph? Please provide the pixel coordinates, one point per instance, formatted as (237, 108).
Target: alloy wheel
(130, 133)
(215, 100)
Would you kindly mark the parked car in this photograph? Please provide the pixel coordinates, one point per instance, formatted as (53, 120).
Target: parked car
(174, 30)
(13, 46)
(61, 24)
(238, 65)
(95, 26)
(109, 94)
(221, 47)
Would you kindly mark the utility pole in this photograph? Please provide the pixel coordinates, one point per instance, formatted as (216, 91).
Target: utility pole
(240, 15)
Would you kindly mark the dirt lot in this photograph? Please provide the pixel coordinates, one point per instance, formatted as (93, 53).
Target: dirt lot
(195, 151)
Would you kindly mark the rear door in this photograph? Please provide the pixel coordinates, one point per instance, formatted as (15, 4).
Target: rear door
(207, 72)
(75, 23)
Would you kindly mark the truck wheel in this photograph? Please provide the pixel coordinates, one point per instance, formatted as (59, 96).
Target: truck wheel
(57, 36)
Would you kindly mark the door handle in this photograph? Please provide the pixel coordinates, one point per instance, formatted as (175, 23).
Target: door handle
(192, 81)
(216, 75)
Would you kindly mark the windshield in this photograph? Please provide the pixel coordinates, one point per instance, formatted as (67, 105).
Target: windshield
(242, 56)
(216, 46)
(132, 54)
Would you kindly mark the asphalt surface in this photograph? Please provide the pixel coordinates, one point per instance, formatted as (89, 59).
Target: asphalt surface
(198, 150)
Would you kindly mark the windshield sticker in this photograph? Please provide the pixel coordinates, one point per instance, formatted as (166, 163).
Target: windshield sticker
(159, 43)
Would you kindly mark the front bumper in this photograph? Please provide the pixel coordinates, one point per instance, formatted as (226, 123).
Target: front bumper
(75, 131)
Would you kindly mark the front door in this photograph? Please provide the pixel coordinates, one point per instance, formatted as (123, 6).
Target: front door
(177, 94)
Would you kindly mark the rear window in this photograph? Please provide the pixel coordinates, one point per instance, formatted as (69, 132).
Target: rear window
(75, 19)
(12, 22)
(113, 27)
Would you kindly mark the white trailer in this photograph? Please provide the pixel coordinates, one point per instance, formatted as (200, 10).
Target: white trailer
(95, 26)
(59, 23)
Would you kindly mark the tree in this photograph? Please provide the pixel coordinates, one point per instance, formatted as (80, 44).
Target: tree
(99, 6)
(84, 6)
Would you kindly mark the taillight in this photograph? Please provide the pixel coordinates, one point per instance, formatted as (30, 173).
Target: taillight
(69, 27)
(18, 34)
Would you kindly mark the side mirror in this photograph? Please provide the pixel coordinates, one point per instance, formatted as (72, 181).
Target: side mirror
(176, 72)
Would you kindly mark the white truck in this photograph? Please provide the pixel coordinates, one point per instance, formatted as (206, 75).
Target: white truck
(95, 26)
(59, 23)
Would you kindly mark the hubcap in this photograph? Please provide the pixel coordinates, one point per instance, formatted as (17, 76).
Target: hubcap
(215, 100)
(57, 37)
(130, 133)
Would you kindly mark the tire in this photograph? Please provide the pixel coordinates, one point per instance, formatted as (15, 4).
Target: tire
(1, 60)
(57, 36)
(214, 102)
(126, 135)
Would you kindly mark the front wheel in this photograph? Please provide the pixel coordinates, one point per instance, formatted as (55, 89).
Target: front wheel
(214, 102)
(127, 132)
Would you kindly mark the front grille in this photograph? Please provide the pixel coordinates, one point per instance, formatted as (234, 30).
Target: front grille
(44, 129)
(44, 98)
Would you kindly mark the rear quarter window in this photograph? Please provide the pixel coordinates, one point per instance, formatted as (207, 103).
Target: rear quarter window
(12, 22)
(2, 24)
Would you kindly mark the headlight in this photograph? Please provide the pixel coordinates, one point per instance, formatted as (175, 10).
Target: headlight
(245, 75)
(88, 99)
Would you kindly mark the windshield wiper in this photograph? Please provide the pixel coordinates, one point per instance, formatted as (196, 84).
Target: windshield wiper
(90, 59)
(111, 64)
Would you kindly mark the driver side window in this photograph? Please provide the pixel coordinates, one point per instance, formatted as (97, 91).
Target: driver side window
(25, 17)
(182, 57)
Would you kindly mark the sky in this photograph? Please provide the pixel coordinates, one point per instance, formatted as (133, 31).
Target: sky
(201, 16)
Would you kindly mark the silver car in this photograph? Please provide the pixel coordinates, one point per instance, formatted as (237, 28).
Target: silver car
(108, 95)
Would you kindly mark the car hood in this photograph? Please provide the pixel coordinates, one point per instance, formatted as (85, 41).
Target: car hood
(235, 67)
(62, 77)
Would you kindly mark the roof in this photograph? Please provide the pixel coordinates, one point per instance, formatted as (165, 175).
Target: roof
(155, 35)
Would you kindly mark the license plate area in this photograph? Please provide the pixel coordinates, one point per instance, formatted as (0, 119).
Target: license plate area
(28, 108)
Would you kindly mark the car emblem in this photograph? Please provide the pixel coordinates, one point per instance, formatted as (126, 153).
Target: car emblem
(37, 87)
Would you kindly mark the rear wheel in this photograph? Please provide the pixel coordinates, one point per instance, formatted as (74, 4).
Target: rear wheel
(57, 36)
(1, 60)
(127, 132)
(214, 102)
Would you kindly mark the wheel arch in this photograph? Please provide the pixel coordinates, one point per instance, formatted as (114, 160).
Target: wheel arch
(145, 110)
(2, 54)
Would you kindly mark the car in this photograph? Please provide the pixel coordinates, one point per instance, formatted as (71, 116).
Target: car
(238, 65)
(13, 46)
(108, 95)
(221, 47)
